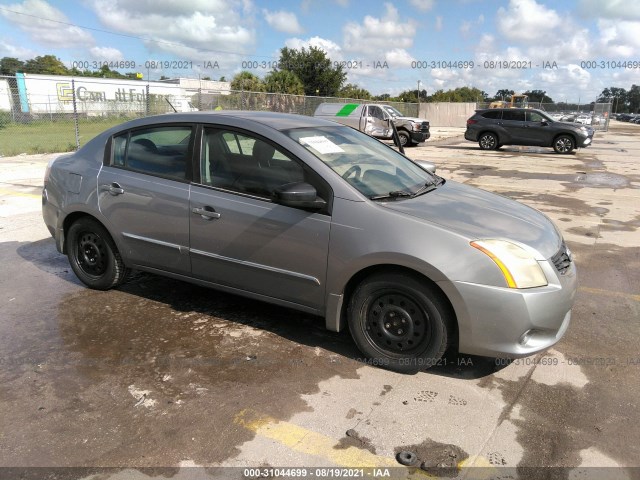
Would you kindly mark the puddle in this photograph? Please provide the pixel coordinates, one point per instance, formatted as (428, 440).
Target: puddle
(602, 179)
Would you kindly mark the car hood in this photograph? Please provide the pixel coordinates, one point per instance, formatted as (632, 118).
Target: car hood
(411, 119)
(478, 214)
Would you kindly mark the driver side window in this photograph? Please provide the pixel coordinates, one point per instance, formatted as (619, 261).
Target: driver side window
(245, 164)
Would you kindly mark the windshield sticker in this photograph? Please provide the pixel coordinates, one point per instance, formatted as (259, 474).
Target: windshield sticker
(321, 144)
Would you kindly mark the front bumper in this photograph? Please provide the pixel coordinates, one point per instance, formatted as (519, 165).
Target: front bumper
(512, 323)
(585, 142)
(419, 137)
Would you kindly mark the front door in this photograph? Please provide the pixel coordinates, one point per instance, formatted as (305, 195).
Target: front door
(240, 238)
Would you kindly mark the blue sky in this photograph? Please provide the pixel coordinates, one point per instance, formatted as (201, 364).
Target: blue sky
(403, 37)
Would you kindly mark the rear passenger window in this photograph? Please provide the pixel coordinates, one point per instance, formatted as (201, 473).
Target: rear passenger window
(515, 115)
(160, 151)
(493, 114)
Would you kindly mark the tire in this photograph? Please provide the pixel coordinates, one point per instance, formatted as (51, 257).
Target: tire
(413, 333)
(93, 255)
(488, 141)
(405, 138)
(563, 144)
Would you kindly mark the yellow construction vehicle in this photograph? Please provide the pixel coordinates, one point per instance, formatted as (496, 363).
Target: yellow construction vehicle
(517, 101)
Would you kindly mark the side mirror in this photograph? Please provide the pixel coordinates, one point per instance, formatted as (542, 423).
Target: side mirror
(544, 123)
(298, 195)
(428, 166)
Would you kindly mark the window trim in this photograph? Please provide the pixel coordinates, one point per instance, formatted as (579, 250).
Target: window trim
(109, 150)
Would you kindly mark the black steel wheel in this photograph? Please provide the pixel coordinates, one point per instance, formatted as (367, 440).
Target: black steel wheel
(563, 144)
(93, 255)
(399, 322)
(488, 141)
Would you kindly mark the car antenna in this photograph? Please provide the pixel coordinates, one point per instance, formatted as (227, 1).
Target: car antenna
(171, 105)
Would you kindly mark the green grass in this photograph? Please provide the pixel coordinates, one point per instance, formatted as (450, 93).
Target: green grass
(43, 136)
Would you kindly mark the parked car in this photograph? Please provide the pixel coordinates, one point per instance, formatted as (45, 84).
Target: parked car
(318, 217)
(375, 120)
(521, 126)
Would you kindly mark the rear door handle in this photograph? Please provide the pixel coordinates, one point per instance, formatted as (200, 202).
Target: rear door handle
(207, 212)
(113, 188)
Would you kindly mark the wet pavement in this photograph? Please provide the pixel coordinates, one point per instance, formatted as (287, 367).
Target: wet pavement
(161, 373)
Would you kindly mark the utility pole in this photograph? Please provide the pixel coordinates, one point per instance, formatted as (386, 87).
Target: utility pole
(418, 98)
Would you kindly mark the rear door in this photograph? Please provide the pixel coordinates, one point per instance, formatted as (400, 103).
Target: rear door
(513, 123)
(143, 194)
(239, 237)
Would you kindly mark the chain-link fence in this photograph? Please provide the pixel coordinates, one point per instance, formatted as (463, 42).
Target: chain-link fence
(47, 113)
(41, 113)
(597, 115)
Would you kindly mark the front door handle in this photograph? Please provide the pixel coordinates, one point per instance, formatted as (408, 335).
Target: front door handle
(207, 213)
(113, 188)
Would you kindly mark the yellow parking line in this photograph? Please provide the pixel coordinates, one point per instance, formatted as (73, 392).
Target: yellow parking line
(309, 442)
(610, 293)
(6, 191)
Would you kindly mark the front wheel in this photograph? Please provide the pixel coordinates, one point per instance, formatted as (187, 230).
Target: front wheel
(405, 138)
(399, 322)
(93, 255)
(563, 144)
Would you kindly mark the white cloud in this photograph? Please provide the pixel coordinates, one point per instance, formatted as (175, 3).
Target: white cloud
(108, 54)
(465, 28)
(398, 58)
(375, 35)
(342, 3)
(610, 9)
(15, 51)
(423, 5)
(332, 49)
(42, 31)
(529, 21)
(618, 38)
(438, 23)
(190, 29)
(283, 21)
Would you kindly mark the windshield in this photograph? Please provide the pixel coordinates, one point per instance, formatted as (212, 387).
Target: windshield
(373, 168)
(393, 111)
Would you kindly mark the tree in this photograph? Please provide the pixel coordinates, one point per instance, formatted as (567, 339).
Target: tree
(634, 99)
(353, 91)
(247, 81)
(619, 98)
(10, 65)
(536, 96)
(462, 94)
(314, 69)
(385, 97)
(283, 81)
(47, 65)
(504, 94)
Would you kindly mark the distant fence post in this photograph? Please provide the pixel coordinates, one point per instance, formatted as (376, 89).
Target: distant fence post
(75, 113)
(147, 100)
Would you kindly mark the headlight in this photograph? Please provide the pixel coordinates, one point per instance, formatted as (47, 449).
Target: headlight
(417, 127)
(519, 267)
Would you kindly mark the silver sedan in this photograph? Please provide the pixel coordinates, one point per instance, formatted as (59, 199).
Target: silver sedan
(317, 217)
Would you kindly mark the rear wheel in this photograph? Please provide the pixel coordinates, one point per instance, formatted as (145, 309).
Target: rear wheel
(93, 255)
(398, 322)
(563, 144)
(488, 141)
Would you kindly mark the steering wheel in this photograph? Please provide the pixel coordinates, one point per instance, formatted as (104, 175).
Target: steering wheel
(354, 169)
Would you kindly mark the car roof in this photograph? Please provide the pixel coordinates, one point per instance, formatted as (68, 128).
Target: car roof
(277, 121)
